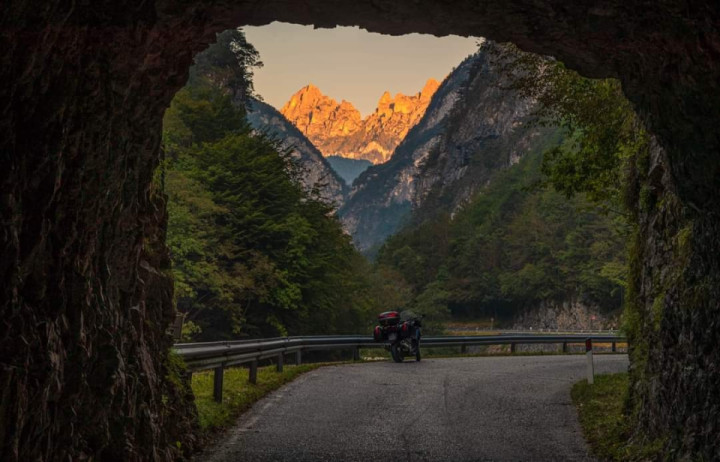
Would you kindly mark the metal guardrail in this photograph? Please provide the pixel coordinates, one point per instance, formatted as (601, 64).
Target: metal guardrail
(219, 355)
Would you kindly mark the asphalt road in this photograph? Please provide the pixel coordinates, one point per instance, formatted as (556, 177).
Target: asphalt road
(451, 410)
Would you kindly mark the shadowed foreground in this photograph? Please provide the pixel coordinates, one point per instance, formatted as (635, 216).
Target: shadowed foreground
(465, 409)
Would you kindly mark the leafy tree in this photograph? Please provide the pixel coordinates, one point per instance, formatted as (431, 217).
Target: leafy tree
(513, 246)
(253, 252)
(228, 64)
(605, 134)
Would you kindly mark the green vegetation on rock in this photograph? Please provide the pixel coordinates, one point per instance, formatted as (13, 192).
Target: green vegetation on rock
(549, 230)
(606, 426)
(511, 247)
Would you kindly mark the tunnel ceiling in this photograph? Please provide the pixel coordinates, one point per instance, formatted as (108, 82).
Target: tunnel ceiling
(592, 37)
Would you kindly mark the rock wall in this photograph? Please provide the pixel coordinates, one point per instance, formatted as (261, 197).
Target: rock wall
(568, 315)
(673, 317)
(85, 287)
(84, 303)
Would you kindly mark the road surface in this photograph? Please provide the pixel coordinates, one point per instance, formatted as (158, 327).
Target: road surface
(450, 410)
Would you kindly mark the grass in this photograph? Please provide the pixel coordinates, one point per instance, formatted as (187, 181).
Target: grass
(605, 426)
(238, 393)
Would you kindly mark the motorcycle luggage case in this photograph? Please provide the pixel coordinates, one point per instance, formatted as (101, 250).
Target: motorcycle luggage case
(389, 318)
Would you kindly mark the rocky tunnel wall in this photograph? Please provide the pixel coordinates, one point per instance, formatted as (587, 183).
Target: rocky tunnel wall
(85, 291)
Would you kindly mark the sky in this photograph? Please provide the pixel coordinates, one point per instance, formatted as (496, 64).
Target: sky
(350, 63)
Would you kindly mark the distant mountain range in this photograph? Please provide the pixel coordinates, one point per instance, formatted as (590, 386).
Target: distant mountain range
(434, 150)
(348, 169)
(337, 129)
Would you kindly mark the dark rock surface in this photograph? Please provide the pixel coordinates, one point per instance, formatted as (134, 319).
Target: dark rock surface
(84, 294)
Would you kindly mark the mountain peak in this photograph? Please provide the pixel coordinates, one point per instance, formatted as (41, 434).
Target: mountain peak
(309, 88)
(338, 129)
(309, 93)
(430, 88)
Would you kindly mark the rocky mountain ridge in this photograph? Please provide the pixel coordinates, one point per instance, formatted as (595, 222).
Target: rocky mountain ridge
(316, 172)
(472, 129)
(338, 128)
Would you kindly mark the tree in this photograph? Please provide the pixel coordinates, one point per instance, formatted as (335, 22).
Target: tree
(254, 253)
(605, 134)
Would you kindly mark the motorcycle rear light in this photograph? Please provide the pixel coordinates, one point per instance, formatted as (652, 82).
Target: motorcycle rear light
(389, 318)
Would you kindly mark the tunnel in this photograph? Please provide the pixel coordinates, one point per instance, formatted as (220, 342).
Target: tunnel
(85, 287)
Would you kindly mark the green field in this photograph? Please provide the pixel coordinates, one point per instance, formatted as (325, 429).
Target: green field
(238, 393)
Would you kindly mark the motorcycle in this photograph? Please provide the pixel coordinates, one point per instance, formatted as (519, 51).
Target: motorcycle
(401, 332)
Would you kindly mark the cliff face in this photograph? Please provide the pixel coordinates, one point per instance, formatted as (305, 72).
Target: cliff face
(337, 129)
(471, 130)
(316, 172)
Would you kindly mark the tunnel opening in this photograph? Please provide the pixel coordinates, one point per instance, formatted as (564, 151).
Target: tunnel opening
(86, 293)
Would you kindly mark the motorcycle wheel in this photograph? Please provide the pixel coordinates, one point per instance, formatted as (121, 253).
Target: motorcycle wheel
(396, 353)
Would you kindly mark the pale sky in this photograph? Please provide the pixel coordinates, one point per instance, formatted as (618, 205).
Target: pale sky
(350, 63)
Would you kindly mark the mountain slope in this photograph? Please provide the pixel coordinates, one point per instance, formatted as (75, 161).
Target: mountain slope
(338, 129)
(472, 129)
(316, 171)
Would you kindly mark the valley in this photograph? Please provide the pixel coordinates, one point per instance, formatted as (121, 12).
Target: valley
(457, 212)
(561, 173)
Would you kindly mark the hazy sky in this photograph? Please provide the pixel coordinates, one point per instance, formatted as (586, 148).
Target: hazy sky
(350, 63)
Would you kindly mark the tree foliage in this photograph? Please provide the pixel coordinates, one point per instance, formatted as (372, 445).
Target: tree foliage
(253, 252)
(552, 228)
(511, 247)
(605, 133)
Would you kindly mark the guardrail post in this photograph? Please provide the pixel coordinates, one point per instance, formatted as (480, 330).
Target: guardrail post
(218, 384)
(356, 354)
(590, 366)
(512, 348)
(253, 371)
(614, 347)
(280, 362)
(564, 347)
(298, 358)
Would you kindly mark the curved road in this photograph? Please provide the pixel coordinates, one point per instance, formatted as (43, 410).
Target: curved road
(461, 409)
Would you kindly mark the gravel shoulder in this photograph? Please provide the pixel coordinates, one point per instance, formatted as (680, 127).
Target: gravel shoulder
(459, 409)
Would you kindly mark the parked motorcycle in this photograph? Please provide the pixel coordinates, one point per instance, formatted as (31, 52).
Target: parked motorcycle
(401, 332)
